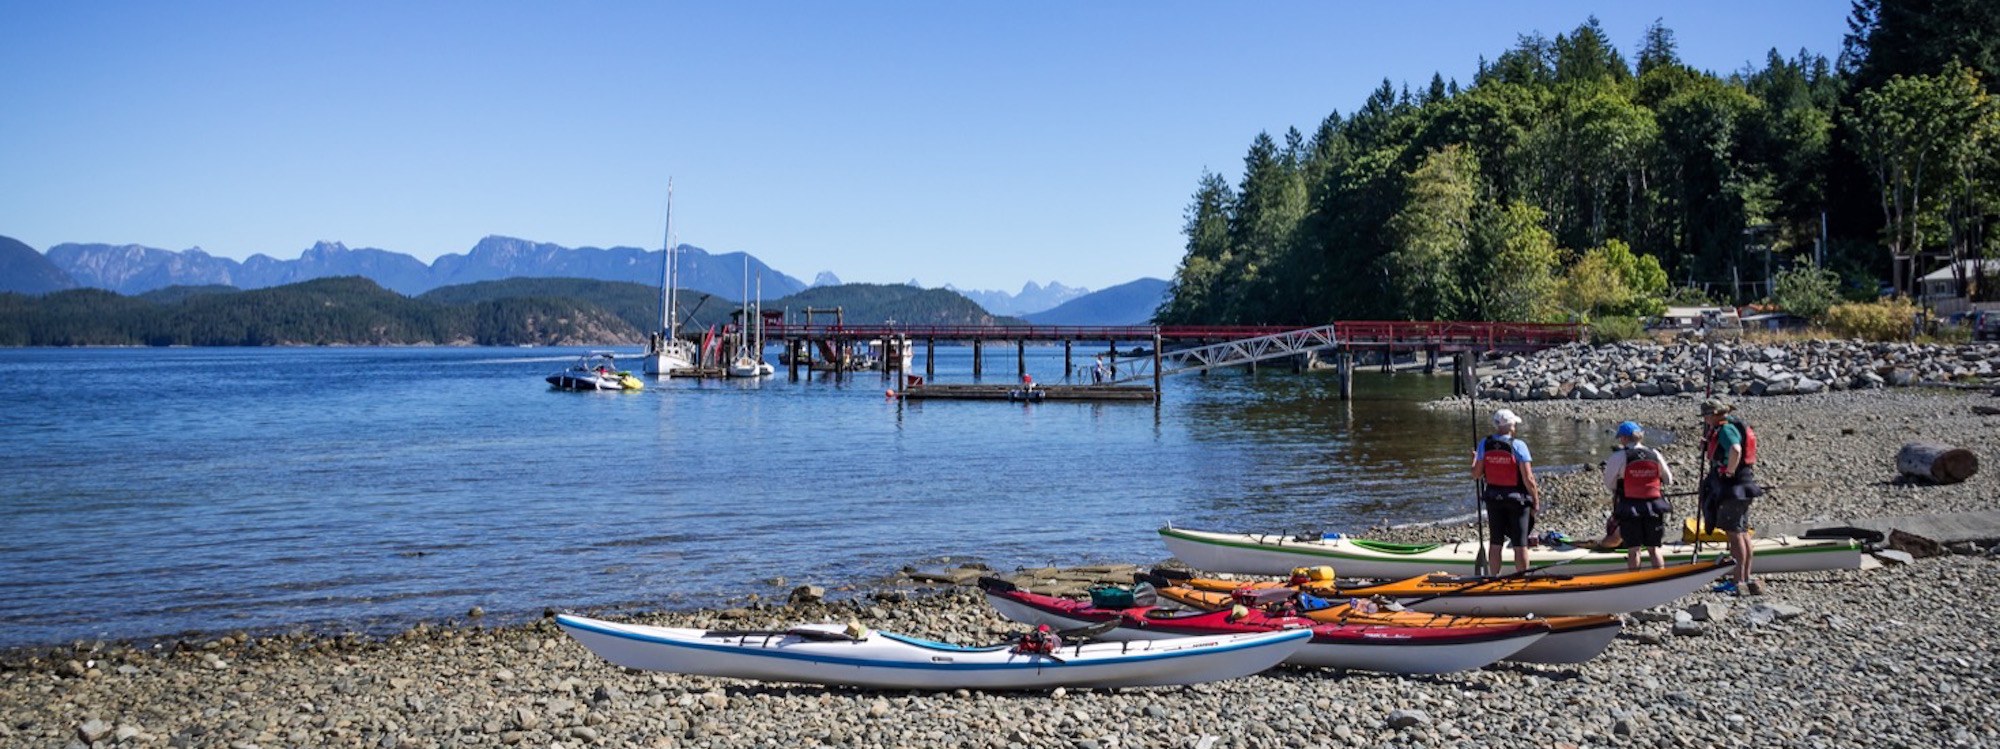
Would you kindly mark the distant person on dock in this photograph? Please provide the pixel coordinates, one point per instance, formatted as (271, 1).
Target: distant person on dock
(1729, 450)
(1634, 473)
(1097, 371)
(1512, 497)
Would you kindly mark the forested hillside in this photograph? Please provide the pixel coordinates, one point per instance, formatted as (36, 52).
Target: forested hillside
(871, 304)
(638, 306)
(1569, 179)
(331, 311)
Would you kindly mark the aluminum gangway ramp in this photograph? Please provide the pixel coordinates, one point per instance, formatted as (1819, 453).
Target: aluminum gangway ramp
(1240, 351)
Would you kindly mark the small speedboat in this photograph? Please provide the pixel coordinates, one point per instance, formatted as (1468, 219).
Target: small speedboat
(1368, 647)
(1547, 594)
(1280, 553)
(595, 371)
(837, 655)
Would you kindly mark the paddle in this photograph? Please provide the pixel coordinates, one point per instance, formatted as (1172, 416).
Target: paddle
(1492, 580)
(816, 635)
(1847, 532)
(1158, 576)
(1478, 485)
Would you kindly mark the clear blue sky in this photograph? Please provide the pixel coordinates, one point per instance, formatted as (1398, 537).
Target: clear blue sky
(977, 144)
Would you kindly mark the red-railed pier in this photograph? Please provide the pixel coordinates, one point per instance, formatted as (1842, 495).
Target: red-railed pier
(1184, 348)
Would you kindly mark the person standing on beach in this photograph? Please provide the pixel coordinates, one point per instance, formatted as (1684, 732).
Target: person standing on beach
(1503, 464)
(1729, 448)
(1635, 474)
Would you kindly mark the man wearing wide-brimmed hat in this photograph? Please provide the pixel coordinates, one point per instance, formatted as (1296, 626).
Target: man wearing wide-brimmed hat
(1729, 447)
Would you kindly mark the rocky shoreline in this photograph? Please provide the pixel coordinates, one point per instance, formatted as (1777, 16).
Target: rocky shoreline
(1630, 369)
(1898, 656)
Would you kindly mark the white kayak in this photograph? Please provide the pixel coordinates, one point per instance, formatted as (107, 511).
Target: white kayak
(826, 654)
(1279, 554)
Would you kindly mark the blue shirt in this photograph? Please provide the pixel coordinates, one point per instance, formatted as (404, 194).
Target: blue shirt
(1520, 449)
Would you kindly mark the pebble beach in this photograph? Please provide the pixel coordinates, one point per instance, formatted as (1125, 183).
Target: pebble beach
(1900, 655)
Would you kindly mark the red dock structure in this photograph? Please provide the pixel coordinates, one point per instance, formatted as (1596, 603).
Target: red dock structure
(1183, 348)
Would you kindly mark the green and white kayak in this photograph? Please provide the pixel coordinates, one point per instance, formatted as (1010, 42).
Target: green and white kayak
(1279, 554)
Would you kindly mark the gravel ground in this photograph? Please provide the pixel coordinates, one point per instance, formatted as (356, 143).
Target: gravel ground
(1901, 656)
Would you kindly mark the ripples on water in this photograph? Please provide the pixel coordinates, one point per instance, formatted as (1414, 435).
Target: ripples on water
(150, 491)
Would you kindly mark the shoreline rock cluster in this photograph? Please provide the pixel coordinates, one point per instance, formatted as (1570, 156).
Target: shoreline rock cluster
(1632, 369)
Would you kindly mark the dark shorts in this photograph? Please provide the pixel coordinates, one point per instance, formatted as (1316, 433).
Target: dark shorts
(1641, 531)
(1731, 515)
(1728, 502)
(1508, 521)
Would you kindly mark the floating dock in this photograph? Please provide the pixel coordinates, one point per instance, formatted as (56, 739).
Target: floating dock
(1037, 393)
(704, 373)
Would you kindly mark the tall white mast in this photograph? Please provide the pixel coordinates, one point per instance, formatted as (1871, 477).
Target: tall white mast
(667, 271)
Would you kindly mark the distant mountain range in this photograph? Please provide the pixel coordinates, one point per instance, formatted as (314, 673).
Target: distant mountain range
(1033, 298)
(1125, 304)
(136, 269)
(25, 271)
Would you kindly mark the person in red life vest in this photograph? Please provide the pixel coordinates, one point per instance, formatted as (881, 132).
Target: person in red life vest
(1512, 497)
(1635, 474)
(1729, 450)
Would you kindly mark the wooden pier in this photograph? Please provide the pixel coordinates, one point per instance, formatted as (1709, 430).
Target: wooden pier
(1031, 395)
(1175, 349)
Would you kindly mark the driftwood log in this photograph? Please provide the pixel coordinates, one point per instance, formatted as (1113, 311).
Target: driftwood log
(1936, 462)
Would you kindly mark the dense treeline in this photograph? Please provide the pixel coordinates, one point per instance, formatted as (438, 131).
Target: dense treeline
(356, 311)
(638, 305)
(331, 311)
(1571, 181)
(873, 304)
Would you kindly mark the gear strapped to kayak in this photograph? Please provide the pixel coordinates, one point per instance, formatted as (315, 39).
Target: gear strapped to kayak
(1042, 640)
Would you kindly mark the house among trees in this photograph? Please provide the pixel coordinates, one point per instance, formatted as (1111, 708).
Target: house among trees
(1961, 287)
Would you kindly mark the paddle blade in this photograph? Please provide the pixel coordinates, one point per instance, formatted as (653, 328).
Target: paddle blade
(996, 585)
(1157, 581)
(1088, 631)
(1863, 535)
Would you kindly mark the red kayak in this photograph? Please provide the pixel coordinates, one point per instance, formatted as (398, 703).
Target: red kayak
(1401, 650)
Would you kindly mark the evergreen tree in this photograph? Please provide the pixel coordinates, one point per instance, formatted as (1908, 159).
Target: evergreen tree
(1431, 237)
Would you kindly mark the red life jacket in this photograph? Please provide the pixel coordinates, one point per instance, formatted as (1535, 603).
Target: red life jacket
(1502, 469)
(1641, 479)
(1749, 441)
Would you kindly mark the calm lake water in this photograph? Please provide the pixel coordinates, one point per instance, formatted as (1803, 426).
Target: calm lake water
(154, 491)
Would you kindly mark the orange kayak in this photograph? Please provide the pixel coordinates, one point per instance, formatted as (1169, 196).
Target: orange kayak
(1616, 592)
(1571, 639)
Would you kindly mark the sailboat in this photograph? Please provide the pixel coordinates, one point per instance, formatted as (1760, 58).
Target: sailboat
(749, 361)
(665, 351)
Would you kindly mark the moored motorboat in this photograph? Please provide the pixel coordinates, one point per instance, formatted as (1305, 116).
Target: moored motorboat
(834, 655)
(1279, 554)
(1390, 649)
(1548, 593)
(1571, 639)
(597, 370)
